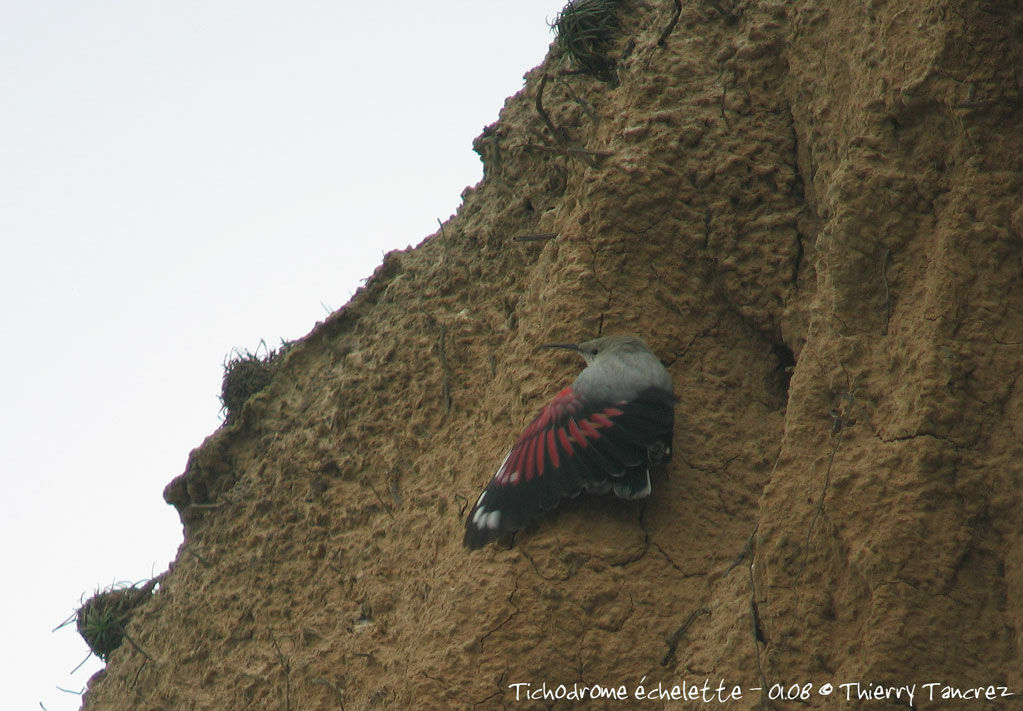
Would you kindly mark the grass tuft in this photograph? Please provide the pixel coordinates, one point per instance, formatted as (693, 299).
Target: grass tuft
(103, 618)
(247, 373)
(585, 30)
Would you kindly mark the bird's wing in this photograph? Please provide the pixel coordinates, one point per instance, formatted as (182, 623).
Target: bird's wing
(573, 444)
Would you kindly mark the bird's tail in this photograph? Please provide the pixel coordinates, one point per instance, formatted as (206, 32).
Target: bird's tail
(634, 485)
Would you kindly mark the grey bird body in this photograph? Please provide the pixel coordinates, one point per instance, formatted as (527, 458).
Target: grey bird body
(599, 434)
(618, 368)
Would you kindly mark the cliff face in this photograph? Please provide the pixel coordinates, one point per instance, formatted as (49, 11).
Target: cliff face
(813, 213)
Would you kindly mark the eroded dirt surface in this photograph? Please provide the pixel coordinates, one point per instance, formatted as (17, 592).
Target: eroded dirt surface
(812, 212)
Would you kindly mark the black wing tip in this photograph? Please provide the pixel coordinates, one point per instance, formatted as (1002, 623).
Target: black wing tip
(476, 538)
(483, 526)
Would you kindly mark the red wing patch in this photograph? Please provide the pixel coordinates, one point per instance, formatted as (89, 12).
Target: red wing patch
(569, 447)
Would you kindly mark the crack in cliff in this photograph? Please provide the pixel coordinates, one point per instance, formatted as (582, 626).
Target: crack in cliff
(536, 569)
(844, 417)
(756, 627)
(608, 289)
(675, 637)
(819, 509)
(714, 472)
(629, 560)
(917, 435)
(675, 565)
(498, 693)
(510, 617)
(747, 550)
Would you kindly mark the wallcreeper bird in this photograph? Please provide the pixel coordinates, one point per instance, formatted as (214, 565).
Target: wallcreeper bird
(601, 433)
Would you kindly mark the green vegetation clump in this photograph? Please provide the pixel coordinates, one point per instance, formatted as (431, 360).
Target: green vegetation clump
(247, 373)
(585, 30)
(103, 618)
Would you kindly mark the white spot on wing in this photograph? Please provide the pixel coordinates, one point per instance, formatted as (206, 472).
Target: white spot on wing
(478, 517)
(492, 520)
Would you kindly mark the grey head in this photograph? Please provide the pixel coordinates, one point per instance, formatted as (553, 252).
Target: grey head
(617, 366)
(601, 348)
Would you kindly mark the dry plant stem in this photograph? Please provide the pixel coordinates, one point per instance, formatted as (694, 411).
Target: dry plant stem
(557, 133)
(671, 25)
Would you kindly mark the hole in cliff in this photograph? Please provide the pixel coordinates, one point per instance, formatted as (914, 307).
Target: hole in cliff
(783, 371)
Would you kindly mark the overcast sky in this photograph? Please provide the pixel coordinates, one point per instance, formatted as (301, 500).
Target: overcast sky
(178, 179)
